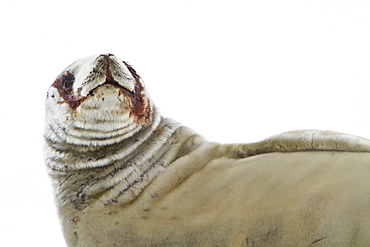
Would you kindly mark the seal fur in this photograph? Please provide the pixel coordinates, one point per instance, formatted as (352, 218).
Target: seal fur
(126, 176)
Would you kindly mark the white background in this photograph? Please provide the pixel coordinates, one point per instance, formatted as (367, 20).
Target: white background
(234, 71)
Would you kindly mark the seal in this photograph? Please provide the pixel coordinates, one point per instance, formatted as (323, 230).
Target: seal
(124, 175)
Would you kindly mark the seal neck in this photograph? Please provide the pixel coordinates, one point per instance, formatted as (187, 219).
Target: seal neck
(116, 173)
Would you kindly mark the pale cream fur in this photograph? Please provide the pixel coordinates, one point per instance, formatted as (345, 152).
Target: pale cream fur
(208, 199)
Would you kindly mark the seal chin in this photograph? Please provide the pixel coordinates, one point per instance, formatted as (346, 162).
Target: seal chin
(105, 102)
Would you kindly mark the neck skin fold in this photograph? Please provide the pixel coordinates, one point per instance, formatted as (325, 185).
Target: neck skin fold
(118, 172)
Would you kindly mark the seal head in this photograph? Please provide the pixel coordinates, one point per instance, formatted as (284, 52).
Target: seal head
(95, 96)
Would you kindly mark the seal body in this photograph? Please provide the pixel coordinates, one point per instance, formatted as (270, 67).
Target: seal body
(277, 199)
(126, 176)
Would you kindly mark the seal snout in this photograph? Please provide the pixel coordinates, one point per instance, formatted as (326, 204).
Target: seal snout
(85, 75)
(107, 60)
(103, 69)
